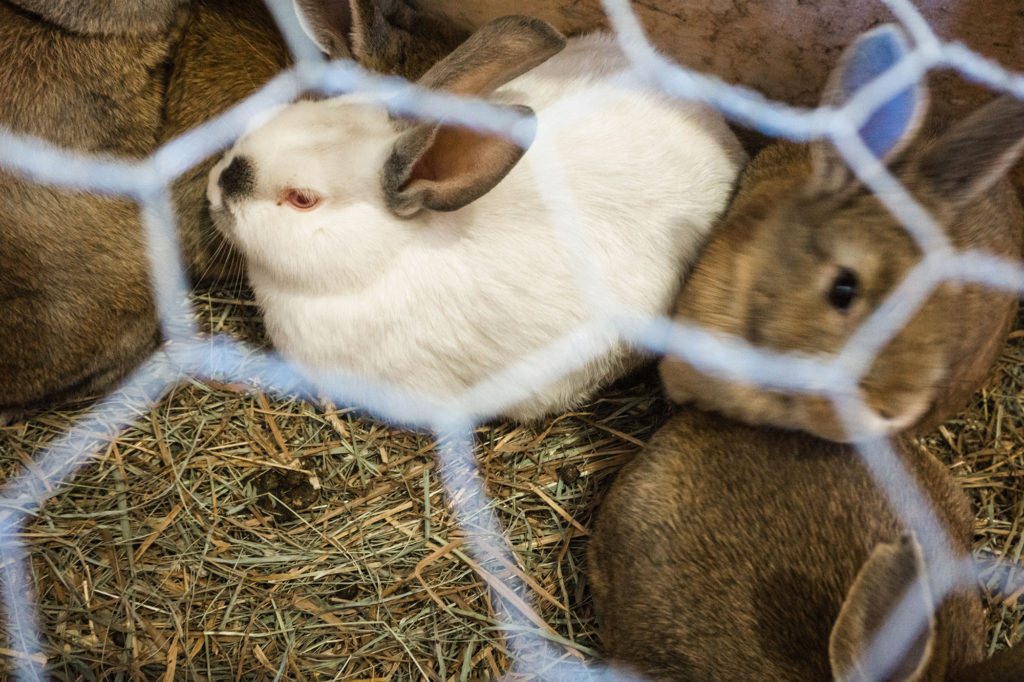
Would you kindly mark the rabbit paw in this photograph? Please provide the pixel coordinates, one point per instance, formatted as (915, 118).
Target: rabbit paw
(11, 416)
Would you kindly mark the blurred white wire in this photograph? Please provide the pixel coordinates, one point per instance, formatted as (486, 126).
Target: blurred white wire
(188, 355)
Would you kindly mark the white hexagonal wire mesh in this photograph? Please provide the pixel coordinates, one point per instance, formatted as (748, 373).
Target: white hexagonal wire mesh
(186, 355)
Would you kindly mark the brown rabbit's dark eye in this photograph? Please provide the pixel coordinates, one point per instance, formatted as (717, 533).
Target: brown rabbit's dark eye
(843, 290)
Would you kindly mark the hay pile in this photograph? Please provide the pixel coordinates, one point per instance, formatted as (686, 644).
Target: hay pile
(228, 536)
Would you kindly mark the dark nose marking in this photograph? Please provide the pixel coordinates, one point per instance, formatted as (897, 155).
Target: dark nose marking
(237, 179)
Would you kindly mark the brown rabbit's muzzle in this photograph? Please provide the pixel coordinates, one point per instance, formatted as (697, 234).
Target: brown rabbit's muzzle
(889, 404)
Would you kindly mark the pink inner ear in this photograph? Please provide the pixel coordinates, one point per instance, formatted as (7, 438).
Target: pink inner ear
(454, 152)
(423, 169)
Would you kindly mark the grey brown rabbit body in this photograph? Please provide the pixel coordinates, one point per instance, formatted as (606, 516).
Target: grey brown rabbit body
(807, 253)
(75, 308)
(120, 78)
(726, 551)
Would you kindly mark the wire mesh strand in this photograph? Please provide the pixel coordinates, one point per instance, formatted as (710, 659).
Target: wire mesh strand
(452, 423)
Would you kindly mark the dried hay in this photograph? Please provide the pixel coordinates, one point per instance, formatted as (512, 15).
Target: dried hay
(226, 536)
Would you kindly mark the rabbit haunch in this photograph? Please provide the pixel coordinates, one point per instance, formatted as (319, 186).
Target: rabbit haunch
(446, 298)
(732, 552)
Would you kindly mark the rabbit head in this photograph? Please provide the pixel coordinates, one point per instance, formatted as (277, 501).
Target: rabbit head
(232, 47)
(707, 563)
(298, 194)
(807, 253)
(292, 192)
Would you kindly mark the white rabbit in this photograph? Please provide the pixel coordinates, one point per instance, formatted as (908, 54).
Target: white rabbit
(429, 257)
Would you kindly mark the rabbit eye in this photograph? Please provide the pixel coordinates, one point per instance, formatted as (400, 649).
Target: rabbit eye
(843, 290)
(301, 199)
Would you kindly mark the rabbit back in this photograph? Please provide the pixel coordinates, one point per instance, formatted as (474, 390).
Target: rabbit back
(91, 92)
(75, 308)
(725, 551)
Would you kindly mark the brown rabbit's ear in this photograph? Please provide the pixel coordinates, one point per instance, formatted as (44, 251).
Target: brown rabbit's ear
(886, 577)
(388, 36)
(331, 24)
(893, 124)
(975, 153)
(443, 168)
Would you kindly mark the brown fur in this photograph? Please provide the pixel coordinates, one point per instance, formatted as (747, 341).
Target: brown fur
(1005, 666)
(390, 36)
(122, 77)
(75, 308)
(726, 551)
(106, 17)
(230, 49)
(767, 268)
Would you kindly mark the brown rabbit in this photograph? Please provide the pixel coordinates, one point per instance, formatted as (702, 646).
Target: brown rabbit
(76, 312)
(806, 254)
(734, 552)
(75, 307)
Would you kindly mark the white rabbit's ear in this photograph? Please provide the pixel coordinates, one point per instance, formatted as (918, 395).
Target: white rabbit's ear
(894, 573)
(976, 152)
(893, 124)
(495, 54)
(444, 168)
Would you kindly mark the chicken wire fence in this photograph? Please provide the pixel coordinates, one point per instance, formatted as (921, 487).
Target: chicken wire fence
(187, 355)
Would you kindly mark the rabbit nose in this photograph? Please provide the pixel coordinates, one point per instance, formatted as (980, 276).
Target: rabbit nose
(237, 179)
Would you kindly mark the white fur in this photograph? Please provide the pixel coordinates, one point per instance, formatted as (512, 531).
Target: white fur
(441, 301)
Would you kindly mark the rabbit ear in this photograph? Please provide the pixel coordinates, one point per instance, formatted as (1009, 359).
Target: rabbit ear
(331, 24)
(892, 571)
(443, 168)
(975, 153)
(893, 124)
(495, 54)
(388, 36)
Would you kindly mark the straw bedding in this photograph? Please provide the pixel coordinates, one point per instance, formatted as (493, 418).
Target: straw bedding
(230, 536)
